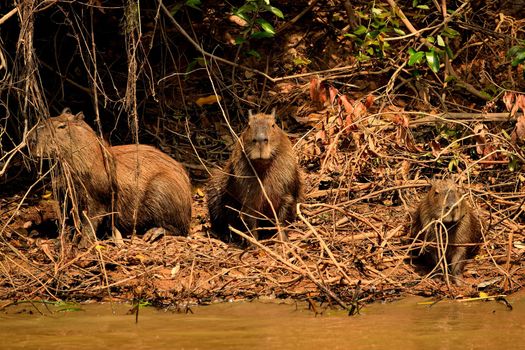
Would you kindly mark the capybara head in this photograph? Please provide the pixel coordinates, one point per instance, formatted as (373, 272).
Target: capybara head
(445, 197)
(261, 136)
(61, 135)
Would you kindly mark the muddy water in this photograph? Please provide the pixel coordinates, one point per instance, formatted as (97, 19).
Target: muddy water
(401, 325)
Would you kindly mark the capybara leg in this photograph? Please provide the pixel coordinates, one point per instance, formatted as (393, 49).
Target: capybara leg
(457, 263)
(249, 224)
(287, 211)
(89, 230)
(117, 237)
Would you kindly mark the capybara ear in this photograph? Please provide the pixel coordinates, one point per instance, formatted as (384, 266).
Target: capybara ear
(66, 111)
(250, 116)
(79, 116)
(273, 112)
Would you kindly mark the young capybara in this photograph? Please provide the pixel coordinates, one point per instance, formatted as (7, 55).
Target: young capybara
(235, 195)
(445, 219)
(147, 188)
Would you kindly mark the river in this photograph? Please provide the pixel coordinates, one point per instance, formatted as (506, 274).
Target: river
(405, 324)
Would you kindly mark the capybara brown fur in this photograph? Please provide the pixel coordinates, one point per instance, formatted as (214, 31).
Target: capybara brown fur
(144, 186)
(263, 152)
(446, 221)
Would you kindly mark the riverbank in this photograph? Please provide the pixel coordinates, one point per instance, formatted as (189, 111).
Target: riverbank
(363, 261)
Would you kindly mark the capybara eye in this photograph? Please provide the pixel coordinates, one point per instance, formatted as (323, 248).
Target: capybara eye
(273, 125)
(254, 141)
(61, 126)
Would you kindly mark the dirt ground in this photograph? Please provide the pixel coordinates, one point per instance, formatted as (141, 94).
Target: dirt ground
(344, 255)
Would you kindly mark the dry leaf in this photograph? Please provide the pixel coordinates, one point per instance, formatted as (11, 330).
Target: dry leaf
(369, 101)
(322, 94)
(520, 103)
(199, 192)
(519, 131)
(333, 94)
(321, 136)
(360, 110)
(436, 148)
(175, 270)
(314, 89)
(208, 100)
(508, 99)
(238, 20)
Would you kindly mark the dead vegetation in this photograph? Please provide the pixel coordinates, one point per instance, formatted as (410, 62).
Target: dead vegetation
(369, 133)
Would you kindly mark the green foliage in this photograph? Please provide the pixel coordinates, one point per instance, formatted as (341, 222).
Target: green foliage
(517, 54)
(422, 5)
(415, 57)
(432, 60)
(432, 56)
(257, 27)
(194, 4)
(514, 163)
(382, 24)
(370, 39)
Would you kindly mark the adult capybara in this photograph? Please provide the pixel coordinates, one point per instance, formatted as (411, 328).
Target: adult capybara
(235, 195)
(144, 186)
(445, 219)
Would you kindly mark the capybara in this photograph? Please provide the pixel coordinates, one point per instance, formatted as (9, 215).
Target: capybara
(445, 219)
(235, 195)
(144, 186)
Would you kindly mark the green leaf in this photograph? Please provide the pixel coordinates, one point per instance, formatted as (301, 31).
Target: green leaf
(433, 60)
(519, 58)
(194, 4)
(450, 78)
(449, 52)
(239, 40)
(175, 9)
(300, 61)
(254, 54)
(373, 34)
(453, 164)
(277, 12)
(362, 57)
(246, 8)
(266, 26)
(415, 57)
(450, 33)
(423, 7)
(242, 15)
(384, 15)
(399, 31)
(440, 41)
(261, 35)
(513, 164)
(360, 30)
(362, 15)
(514, 50)
(431, 39)
(376, 11)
